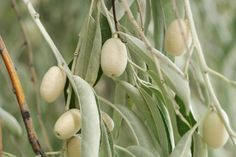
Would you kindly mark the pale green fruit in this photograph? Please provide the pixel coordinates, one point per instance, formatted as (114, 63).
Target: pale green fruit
(176, 39)
(214, 132)
(52, 84)
(73, 146)
(108, 121)
(113, 57)
(68, 124)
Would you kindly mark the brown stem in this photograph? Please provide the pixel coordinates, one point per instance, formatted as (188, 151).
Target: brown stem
(32, 72)
(114, 16)
(1, 145)
(18, 90)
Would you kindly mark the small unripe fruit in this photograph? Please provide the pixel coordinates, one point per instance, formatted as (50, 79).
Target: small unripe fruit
(108, 121)
(73, 146)
(177, 37)
(52, 84)
(214, 132)
(113, 57)
(68, 124)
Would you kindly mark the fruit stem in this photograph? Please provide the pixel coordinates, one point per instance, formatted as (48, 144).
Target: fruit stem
(204, 68)
(114, 15)
(18, 90)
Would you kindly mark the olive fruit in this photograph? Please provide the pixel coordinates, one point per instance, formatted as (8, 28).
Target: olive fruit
(52, 84)
(213, 129)
(108, 121)
(68, 124)
(113, 57)
(177, 37)
(73, 146)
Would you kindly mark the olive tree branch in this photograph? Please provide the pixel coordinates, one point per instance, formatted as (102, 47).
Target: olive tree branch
(204, 69)
(32, 71)
(60, 60)
(156, 57)
(46, 36)
(18, 90)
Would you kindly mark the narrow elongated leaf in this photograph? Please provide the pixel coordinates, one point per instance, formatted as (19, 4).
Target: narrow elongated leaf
(158, 20)
(136, 125)
(120, 10)
(174, 76)
(90, 119)
(140, 104)
(94, 60)
(139, 151)
(9, 122)
(200, 147)
(123, 152)
(88, 62)
(183, 148)
(160, 126)
(148, 14)
(87, 36)
(105, 147)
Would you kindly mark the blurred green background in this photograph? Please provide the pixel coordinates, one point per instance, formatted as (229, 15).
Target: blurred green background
(216, 25)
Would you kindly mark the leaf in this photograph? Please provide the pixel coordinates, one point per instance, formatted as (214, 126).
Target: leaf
(120, 10)
(157, 117)
(90, 119)
(105, 29)
(105, 146)
(123, 152)
(183, 148)
(88, 62)
(200, 147)
(139, 102)
(139, 130)
(169, 103)
(139, 151)
(148, 14)
(174, 77)
(159, 23)
(94, 60)
(9, 122)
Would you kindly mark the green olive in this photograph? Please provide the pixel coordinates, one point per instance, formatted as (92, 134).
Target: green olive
(73, 146)
(177, 37)
(52, 84)
(113, 57)
(68, 124)
(214, 132)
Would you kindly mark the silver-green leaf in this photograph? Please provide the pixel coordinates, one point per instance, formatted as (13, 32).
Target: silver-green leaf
(90, 119)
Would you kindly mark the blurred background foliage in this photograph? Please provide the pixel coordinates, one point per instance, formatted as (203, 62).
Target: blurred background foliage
(216, 25)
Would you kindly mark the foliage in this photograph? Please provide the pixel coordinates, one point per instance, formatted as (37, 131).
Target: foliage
(157, 105)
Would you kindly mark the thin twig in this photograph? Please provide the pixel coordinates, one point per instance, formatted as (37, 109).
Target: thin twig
(155, 58)
(188, 59)
(140, 14)
(114, 15)
(32, 72)
(1, 144)
(18, 90)
(60, 60)
(213, 72)
(204, 68)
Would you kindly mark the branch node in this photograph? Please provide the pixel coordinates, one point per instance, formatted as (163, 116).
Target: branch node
(36, 15)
